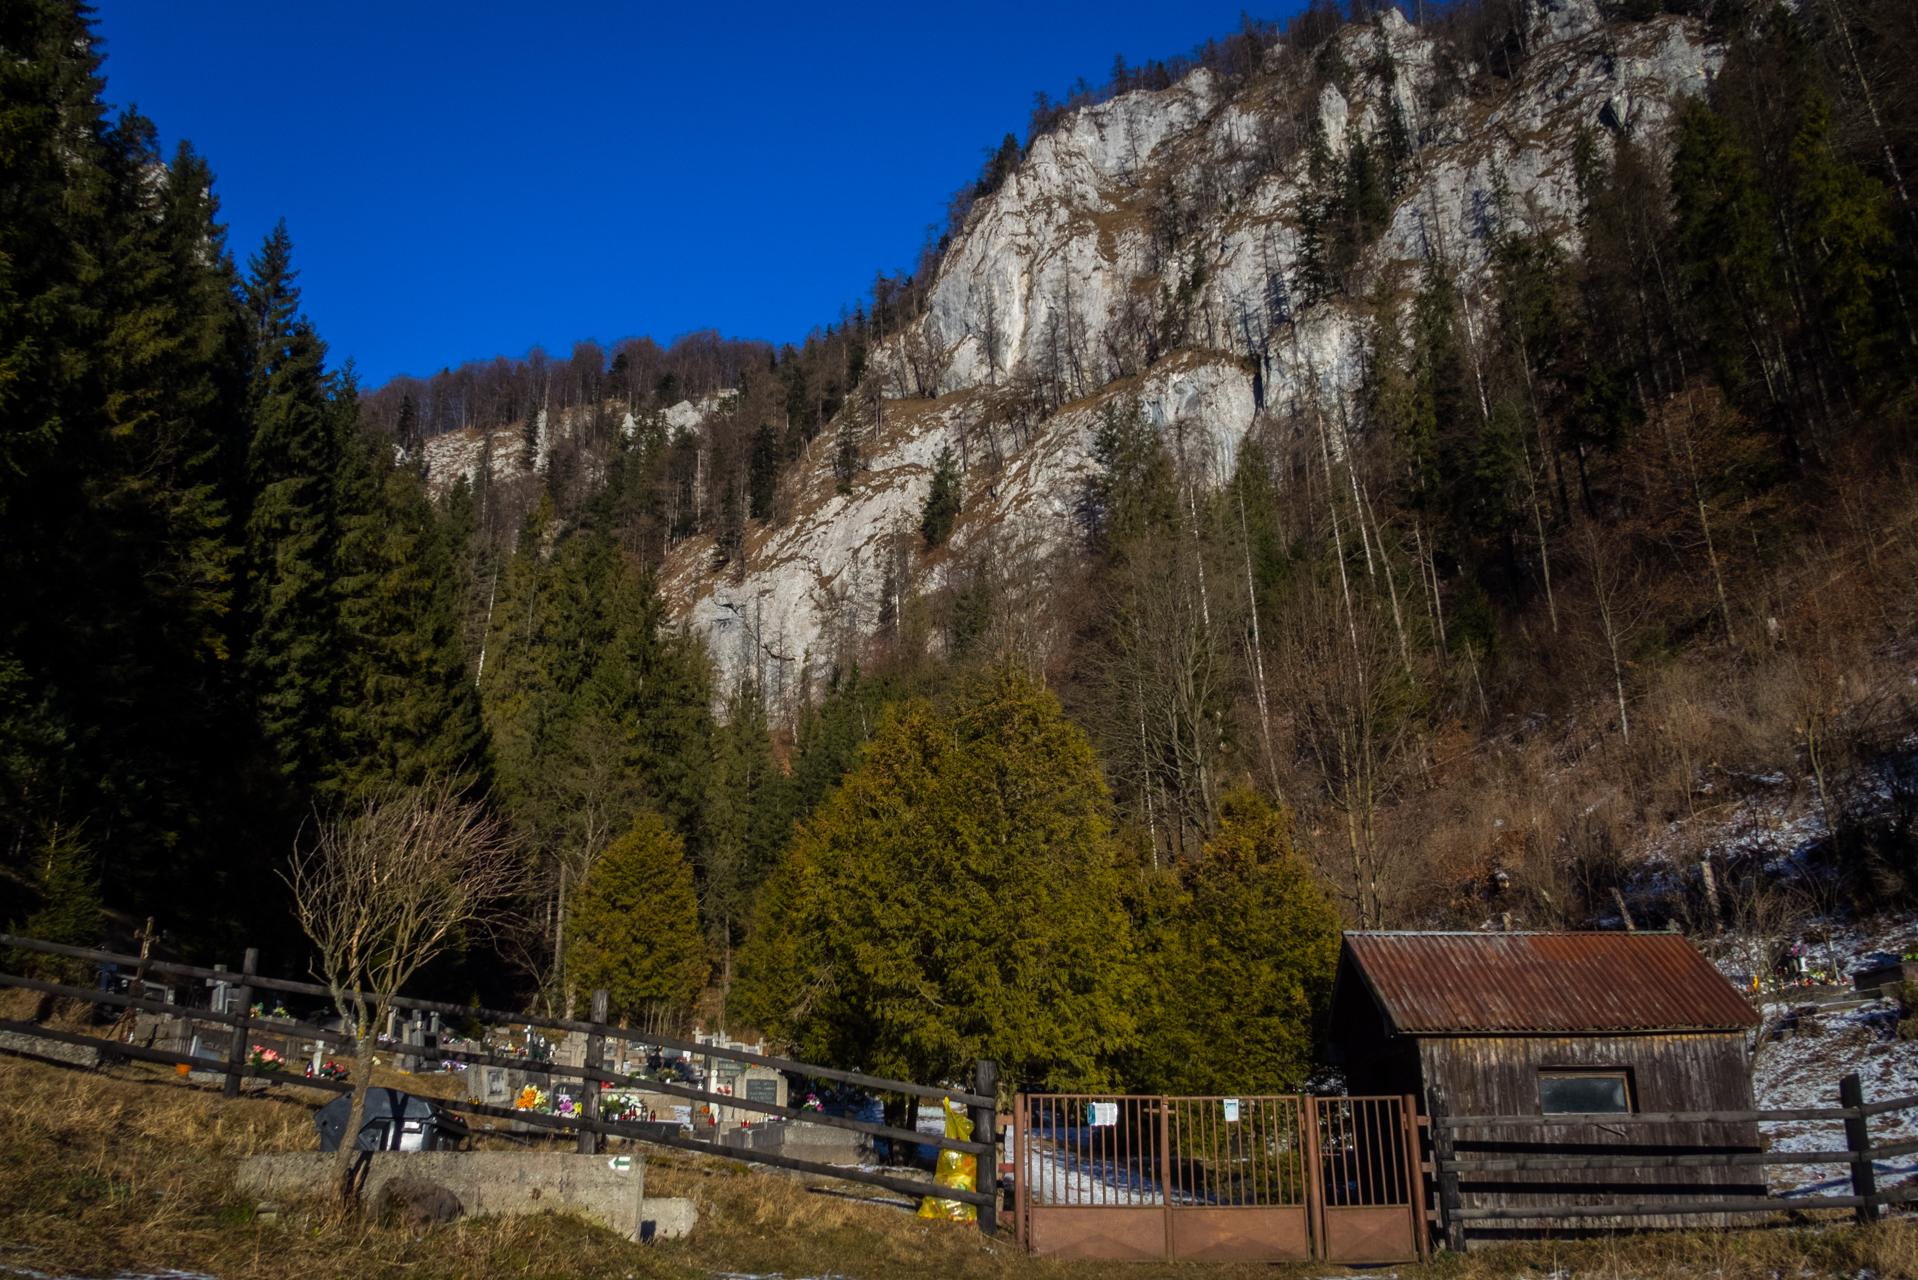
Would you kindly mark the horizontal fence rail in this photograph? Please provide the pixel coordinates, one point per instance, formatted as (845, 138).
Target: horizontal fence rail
(1448, 1165)
(1501, 1164)
(1676, 1117)
(1665, 1208)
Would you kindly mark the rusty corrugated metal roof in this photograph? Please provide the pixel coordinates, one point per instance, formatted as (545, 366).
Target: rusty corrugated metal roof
(1453, 983)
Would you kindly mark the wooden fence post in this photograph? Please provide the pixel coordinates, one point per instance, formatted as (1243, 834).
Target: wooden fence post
(1443, 1153)
(1864, 1179)
(595, 1052)
(236, 1044)
(985, 1128)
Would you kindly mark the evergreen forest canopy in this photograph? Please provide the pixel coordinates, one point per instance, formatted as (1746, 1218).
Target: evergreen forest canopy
(1656, 488)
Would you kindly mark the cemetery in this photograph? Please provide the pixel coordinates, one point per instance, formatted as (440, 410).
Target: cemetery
(519, 1078)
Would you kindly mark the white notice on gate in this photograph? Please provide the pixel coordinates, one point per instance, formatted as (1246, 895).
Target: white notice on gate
(1104, 1113)
(1231, 1110)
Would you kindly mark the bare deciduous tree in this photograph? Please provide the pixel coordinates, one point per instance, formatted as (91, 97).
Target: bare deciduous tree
(382, 891)
(1350, 704)
(1620, 605)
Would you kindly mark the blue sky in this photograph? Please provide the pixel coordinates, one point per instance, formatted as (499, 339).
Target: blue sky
(466, 180)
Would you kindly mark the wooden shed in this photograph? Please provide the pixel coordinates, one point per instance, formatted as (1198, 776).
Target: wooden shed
(1544, 1024)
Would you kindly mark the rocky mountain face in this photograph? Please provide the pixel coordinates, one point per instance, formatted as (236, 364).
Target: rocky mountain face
(1156, 246)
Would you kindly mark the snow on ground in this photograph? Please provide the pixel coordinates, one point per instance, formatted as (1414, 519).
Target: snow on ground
(1803, 1072)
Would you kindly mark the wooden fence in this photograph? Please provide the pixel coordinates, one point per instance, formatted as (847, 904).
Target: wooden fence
(588, 1125)
(1858, 1153)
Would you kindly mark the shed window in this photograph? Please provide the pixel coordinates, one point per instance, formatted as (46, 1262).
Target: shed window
(1584, 1092)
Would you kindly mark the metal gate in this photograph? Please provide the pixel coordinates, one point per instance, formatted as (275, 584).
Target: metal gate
(1370, 1192)
(1219, 1179)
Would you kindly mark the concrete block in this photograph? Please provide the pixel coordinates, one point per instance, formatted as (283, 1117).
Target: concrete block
(609, 1190)
(667, 1218)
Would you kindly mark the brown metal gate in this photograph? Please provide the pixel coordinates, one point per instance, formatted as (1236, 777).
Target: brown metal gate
(1369, 1193)
(1113, 1177)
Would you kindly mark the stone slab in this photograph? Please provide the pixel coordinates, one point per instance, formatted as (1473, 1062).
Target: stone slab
(1886, 975)
(74, 1055)
(803, 1141)
(501, 1183)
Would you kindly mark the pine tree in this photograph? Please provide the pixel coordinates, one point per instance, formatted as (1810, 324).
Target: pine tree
(942, 504)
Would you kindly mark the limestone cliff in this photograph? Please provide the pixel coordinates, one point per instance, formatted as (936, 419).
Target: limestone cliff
(1152, 246)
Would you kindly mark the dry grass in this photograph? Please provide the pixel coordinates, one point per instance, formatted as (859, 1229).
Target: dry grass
(129, 1168)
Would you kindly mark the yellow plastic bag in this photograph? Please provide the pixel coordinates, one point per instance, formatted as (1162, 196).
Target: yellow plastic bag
(956, 1170)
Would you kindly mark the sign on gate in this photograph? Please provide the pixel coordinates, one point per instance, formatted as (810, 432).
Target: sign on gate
(1276, 1178)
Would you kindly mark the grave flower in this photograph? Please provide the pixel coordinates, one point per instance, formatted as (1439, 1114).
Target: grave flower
(265, 1058)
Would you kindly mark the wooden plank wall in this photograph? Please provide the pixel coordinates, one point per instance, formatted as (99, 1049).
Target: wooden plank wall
(1498, 1075)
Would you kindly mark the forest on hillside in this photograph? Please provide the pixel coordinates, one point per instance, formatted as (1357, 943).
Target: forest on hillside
(1612, 550)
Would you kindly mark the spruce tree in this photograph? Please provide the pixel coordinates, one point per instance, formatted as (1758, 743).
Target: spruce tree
(293, 651)
(66, 882)
(829, 738)
(942, 504)
(747, 817)
(763, 478)
(118, 395)
(1842, 231)
(1134, 494)
(409, 711)
(1721, 226)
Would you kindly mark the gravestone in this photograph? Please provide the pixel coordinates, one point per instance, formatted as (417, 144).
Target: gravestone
(571, 1050)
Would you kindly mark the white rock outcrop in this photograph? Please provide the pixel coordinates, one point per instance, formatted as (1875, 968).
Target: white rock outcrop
(1053, 259)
